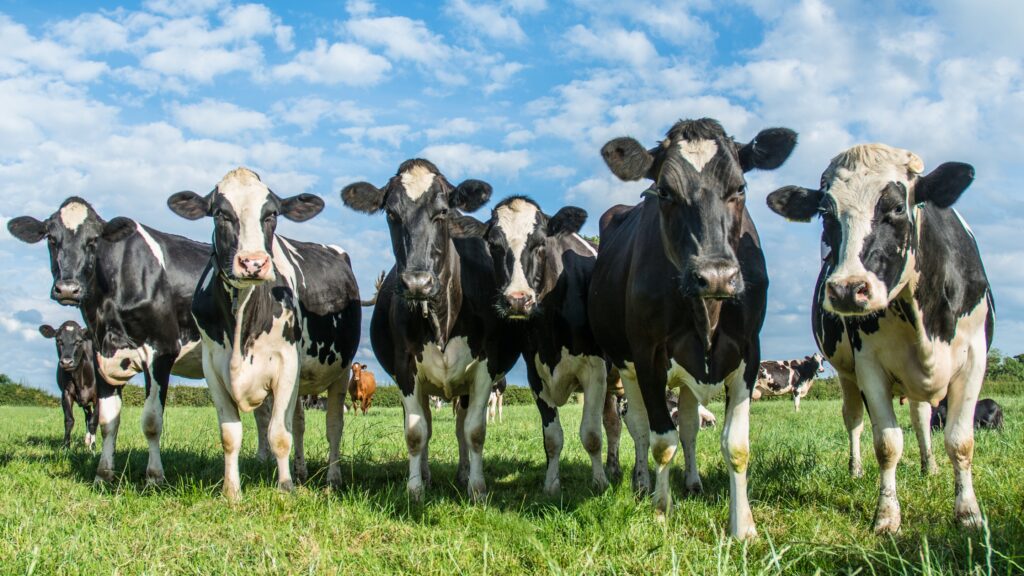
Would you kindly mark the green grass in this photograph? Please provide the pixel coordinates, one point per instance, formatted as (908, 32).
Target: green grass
(811, 516)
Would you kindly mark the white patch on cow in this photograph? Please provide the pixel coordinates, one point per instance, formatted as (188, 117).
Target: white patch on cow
(517, 220)
(704, 391)
(447, 373)
(189, 363)
(158, 253)
(826, 250)
(963, 222)
(73, 215)
(113, 368)
(69, 328)
(698, 152)
(586, 245)
(283, 264)
(246, 194)
(416, 181)
(336, 248)
(570, 375)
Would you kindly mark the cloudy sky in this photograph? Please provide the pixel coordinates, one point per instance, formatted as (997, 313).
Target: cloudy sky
(126, 105)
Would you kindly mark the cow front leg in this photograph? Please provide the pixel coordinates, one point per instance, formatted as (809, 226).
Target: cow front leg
(664, 438)
(920, 418)
(335, 428)
(282, 422)
(962, 399)
(639, 429)
(613, 430)
(593, 380)
(689, 425)
(554, 439)
(460, 404)
(109, 408)
(736, 451)
(299, 437)
(230, 424)
(91, 420)
(415, 441)
(429, 417)
(476, 431)
(262, 416)
(853, 417)
(888, 439)
(67, 405)
(158, 376)
(796, 399)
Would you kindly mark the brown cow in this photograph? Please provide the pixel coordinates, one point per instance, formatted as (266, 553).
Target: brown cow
(362, 387)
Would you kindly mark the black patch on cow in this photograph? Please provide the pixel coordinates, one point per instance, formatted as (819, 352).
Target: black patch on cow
(890, 240)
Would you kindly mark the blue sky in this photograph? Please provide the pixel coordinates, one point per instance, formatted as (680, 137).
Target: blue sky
(124, 104)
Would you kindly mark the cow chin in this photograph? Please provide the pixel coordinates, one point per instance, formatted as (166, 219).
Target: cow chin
(241, 281)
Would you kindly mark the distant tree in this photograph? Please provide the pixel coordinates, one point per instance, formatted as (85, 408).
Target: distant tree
(1006, 368)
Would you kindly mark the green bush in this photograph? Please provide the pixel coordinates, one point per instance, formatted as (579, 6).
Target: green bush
(194, 396)
(389, 396)
(14, 394)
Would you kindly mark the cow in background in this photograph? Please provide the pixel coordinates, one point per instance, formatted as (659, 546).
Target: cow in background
(76, 377)
(777, 377)
(361, 388)
(496, 401)
(902, 306)
(988, 415)
(706, 417)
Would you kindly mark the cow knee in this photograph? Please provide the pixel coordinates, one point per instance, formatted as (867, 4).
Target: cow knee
(591, 442)
(476, 438)
(960, 448)
(663, 447)
(415, 436)
(889, 447)
(737, 454)
(151, 423)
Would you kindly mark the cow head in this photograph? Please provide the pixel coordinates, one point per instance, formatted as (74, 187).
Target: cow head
(524, 245)
(244, 215)
(867, 202)
(819, 362)
(357, 370)
(698, 184)
(421, 208)
(73, 343)
(72, 234)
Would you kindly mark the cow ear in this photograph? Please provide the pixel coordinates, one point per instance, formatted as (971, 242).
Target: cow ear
(470, 195)
(86, 334)
(944, 185)
(795, 203)
(189, 205)
(627, 158)
(47, 331)
(462, 226)
(27, 229)
(568, 220)
(118, 229)
(301, 207)
(363, 197)
(768, 150)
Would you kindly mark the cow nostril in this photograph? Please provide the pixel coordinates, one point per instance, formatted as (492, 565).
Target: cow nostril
(862, 290)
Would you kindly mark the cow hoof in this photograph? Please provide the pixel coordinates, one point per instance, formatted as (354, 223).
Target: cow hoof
(599, 484)
(462, 478)
(694, 488)
(887, 517)
(478, 492)
(615, 474)
(641, 484)
(553, 488)
(286, 486)
(263, 456)
(929, 468)
(662, 505)
(856, 470)
(415, 492)
(745, 533)
(969, 515)
(334, 478)
(104, 477)
(300, 475)
(232, 494)
(155, 478)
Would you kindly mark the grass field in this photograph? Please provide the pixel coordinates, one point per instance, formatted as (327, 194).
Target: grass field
(811, 516)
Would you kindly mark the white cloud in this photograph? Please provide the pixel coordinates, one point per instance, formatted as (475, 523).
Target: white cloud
(486, 19)
(20, 53)
(470, 161)
(613, 45)
(339, 63)
(218, 118)
(307, 113)
(526, 6)
(182, 7)
(517, 137)
(92, 33)
(393, 135)
(452, 127)
(501, 75)
(359, 8)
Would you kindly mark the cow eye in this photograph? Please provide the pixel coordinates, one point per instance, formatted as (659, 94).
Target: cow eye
(392, 217)
(899, 209)
(269, 217)
(442, 214)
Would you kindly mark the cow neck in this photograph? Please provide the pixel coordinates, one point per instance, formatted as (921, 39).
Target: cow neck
(441, 310)
(706, 314)
(238, 297)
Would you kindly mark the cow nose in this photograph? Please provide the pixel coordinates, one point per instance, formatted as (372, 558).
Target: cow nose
(253, 265)
(418, 284)
(66, 363)
(848, 295)
(717, 280)
(519, 303)
(67, 291)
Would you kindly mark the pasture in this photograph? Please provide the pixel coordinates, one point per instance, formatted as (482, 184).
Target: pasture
(811, 516)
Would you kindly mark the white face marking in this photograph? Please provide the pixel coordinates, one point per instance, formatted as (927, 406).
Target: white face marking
(158, 253)
(516, 220)
(69, 328)
(416, 181)
(247, 195)
(698, 152)
(73, 215)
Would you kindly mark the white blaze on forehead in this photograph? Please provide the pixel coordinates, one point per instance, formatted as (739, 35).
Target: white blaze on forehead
(158, 253)
(246, 194)
(73, 214)
(416, 181)
(698, 152)
(517, 220)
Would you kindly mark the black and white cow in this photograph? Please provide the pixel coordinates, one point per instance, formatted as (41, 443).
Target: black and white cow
(278, 317)
(542, 267)
(76, 377)
(435, 329)
(678, 296)
(902, 305)
(134, 286)
(988, 415)
(777, 377)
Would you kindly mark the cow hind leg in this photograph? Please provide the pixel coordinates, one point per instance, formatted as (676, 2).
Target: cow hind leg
(335, 428)
(460, 405)
(69, 418)
(553, 442)
(429, 418)
(920, 418)
(299, 439)
(735, 445)
(689, 425)
(158, 375)
(262, 416)
(613, 430)
(91, 414)
(109, 408)
(853, 417)
(594, 384)
(959, 435)
(637, 424)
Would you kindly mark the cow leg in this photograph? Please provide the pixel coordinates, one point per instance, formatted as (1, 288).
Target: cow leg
(735, 444)
(664, 438)
(689, 425)
(796, 399)
(335, 428)
(593, 380)
(415, 440)
(299, 436)
(68, 406)
(91, 419)
(636, 423)
(230, 423)
(109, 408)
(158, 377)
(853, 417)
(962, 399)
(282, 422)
(888, 438)
(262, 417)
(612, 429)
(476, 431)
(428, 416)
(460, 404)
(920, 418)
(501, 407)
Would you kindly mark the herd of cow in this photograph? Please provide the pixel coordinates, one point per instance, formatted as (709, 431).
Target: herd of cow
(674, 296)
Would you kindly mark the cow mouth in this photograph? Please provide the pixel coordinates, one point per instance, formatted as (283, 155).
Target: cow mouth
(68, 301)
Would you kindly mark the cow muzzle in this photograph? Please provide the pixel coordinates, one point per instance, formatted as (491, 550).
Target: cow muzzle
(849, 295)
(253, 266)
(716, 279)
(68, 363)
(418, 285)
(67, 292)
(519, 305)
